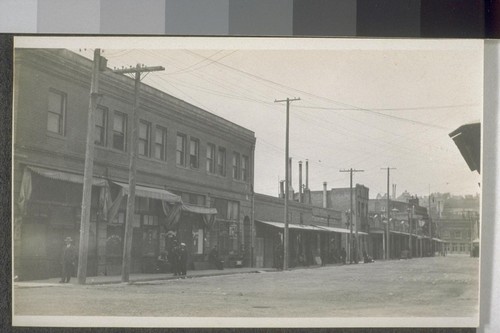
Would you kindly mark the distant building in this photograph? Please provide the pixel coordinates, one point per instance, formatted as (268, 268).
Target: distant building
(340, 199)
(457, 219)
(316, 235)
(425, 240)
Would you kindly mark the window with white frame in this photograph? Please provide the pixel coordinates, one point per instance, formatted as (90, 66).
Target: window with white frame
(144, 138)
(194, 149)
(181, 149)
(236, 165)
(56, 115)
(161, 143)
(119, 130)
(101, 121)
(210, 158)
(221, 161)
(244, 168)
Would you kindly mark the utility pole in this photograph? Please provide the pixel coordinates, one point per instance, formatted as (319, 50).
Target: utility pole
(387, 237)
(287, 177)
(127, 244)
(430, 222)
(89, 168)
(351, 170)
(411, 212)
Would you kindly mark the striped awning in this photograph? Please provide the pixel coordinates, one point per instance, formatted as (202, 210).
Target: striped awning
(198, 209)
(341, 230)
(151, 192)
(439, 240)
(281, 225)
(65, 176)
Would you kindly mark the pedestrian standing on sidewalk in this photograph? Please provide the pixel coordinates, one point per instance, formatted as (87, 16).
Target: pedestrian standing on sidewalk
(278, 256)
(68, 260)
(173, 257)
(323, 255)
(214, 258)
(183, 260)
(343, 255)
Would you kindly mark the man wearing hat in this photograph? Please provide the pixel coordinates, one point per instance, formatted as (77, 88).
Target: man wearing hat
(183, 259)
(68, 260)
(173, 257)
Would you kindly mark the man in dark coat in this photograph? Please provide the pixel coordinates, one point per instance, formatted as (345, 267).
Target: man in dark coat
(214, 258)
(183, 260)
(174, 258)
(68, 260)
(343, 255)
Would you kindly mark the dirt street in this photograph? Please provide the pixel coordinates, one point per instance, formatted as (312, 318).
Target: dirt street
(425, 287)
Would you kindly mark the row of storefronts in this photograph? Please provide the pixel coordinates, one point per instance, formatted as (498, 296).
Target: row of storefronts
(49, 204)
(194, 176)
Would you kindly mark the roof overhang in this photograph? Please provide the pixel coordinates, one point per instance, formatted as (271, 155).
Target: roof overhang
(281, 225)
(468, 140)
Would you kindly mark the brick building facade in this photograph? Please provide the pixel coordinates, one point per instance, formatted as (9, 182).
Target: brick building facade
(184, 152)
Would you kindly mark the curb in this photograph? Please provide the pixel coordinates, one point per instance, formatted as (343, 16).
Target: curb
(165, 278)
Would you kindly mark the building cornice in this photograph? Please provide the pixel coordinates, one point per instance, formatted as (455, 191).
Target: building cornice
(75, 68)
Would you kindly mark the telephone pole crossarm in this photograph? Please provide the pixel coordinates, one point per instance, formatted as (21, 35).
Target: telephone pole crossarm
(287, 100)
(138, 69)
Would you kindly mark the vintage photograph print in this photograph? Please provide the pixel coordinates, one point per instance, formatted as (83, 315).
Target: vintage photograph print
(201, 182)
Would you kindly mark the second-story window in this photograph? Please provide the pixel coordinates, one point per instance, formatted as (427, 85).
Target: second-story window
(144, 138)
(194, 149)
(210, 158)
(236, 165)
(244, 168)
(119, 130)
(161, 143)
(181, 150)
(56, 115)
(221, 161)
(101, 118)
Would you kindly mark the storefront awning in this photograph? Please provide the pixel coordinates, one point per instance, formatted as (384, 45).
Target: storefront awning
(198, 209)
(281, 225)
(65, 176)
(400, 232)
(341, 230)
(438, 240)
(151, 192)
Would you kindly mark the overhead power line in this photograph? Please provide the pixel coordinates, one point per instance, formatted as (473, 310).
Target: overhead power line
(316, 96)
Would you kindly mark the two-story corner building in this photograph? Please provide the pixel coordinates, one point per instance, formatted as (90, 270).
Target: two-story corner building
(185, 154)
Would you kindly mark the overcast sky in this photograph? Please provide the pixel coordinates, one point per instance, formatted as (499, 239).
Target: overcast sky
(364, 104)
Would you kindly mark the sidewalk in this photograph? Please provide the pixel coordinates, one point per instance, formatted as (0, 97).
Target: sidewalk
(144, 278)
(138, 278)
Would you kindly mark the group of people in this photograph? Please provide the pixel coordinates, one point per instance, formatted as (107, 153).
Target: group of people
(178, 259)
(338, 257)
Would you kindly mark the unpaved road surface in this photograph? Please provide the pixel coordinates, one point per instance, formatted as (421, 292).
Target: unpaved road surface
(425, 287)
